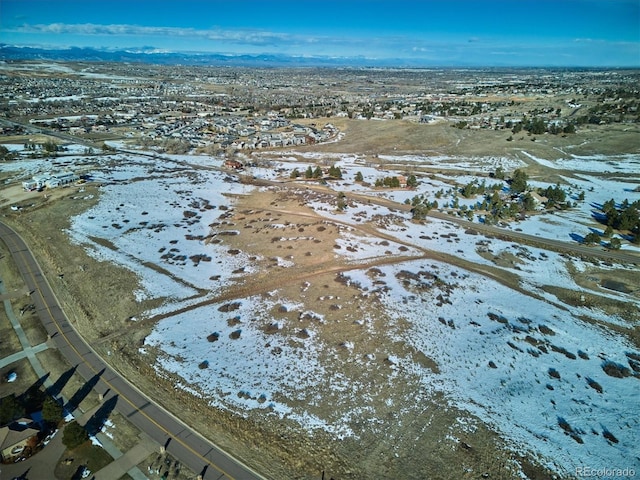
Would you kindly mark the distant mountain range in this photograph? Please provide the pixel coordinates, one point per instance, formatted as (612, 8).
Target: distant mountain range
(155, 56)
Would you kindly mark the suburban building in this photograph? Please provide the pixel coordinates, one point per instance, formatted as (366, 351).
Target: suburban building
(236, 165)
(15, 437)
(538, 199)
(50, 180)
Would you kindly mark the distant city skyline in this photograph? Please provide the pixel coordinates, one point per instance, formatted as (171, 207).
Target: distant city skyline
(590, 33)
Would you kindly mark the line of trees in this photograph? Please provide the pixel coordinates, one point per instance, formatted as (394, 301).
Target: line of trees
(478, 188)
(391, 182)
(421, 206)
(310, 172)
(538, 126)
(623, 217)
(394, 182)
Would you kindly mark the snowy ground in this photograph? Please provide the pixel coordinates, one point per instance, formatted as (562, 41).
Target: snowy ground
(163, 217)
(534, 370)
(629, 163)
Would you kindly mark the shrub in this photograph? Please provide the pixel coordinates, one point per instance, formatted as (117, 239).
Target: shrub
(51, 410)
(595, 385)
(546, 330)
(10, 409)
(592, 237)
(74, 435)
(229, 307)
(564, 425)
(614, 369)
(609, 436)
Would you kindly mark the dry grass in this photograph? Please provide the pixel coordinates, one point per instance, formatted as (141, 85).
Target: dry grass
(26, 378)
(10, 343)
(86, 455)
(416, 441)
(403, 137)
(278, 447)
(60, 371)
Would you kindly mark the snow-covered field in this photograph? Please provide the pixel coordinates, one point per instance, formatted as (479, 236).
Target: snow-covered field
(533, 368)
(162, 217)
(628, 163)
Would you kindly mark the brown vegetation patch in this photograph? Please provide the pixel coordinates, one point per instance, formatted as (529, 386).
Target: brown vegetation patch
(615, 370)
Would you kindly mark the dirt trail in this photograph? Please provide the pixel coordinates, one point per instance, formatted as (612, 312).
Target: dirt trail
(264, 281)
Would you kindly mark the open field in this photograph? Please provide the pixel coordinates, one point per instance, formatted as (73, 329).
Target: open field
(294, 334)
(316, 326)
(379, 137)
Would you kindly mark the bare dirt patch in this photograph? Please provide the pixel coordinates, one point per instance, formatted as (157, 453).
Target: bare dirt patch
(294, 250)
(615, 307)
(609, 281)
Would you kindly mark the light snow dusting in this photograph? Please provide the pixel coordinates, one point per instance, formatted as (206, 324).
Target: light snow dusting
(542, 373)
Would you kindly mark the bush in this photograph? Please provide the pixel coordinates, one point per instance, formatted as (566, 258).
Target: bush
(595, 385)
(51, 411)
(616, 370)
(591, 238)
(10, 409)
(74, 435)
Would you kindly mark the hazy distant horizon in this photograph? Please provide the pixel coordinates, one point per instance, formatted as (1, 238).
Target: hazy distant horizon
(516, 33)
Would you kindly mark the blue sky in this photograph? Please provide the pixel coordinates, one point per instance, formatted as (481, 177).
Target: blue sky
(435, 32)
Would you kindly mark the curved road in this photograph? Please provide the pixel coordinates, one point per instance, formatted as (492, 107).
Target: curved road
(183, 443)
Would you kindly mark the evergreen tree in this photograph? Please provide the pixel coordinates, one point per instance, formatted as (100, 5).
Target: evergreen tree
(51, 411)
(10, 409)
(419, 212)
(519, 181)
(74, 435)
(359, 177)
(528, 203)
(615, 244)
(309, 172)
(591, 238)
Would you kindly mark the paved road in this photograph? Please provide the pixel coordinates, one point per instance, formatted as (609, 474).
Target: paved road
(181, 441)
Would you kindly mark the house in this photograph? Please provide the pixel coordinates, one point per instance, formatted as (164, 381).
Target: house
(538, 199)
(30, 185)
(63, 178)
(234, 164)
(40, 180)
(15, 437)
(52, 180)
